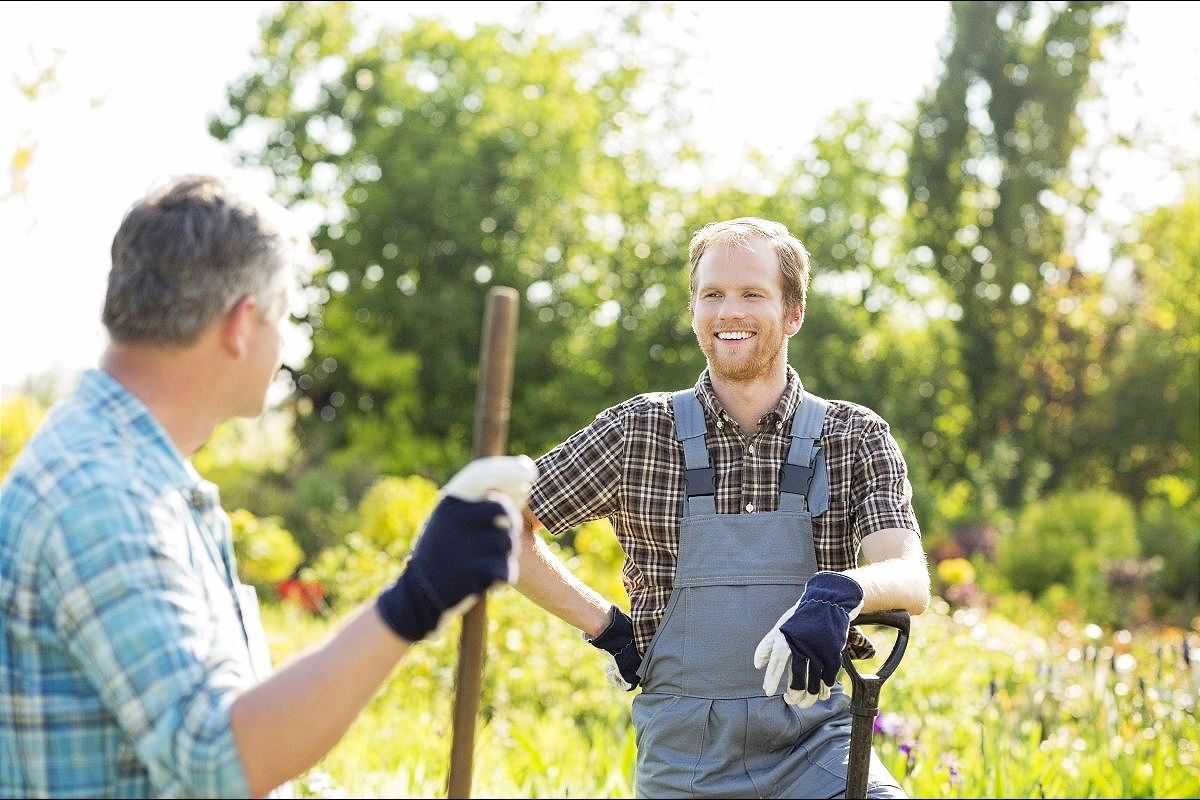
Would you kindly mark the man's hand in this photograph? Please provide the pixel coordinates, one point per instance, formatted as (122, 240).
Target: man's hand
(811, 636)
(617, 640)
(512, 476)
(468, 544)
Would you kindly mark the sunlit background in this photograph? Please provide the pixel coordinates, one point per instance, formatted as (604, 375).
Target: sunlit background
(1002, 203)
(100, 101)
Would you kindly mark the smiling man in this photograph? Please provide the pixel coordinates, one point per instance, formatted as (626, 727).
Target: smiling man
(742, 505)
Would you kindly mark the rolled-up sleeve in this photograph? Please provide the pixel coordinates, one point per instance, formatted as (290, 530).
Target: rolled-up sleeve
(880, 492)
(136, 617)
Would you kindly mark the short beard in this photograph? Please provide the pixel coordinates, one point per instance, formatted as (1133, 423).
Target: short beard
(746, 371)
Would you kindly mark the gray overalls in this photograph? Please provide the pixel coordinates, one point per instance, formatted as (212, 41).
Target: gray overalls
(704, 726)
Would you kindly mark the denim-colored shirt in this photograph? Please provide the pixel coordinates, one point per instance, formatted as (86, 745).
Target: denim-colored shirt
(122, 645)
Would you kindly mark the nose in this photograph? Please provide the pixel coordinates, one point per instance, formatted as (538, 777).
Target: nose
(731, 308)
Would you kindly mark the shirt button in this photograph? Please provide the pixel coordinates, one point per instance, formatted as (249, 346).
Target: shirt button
(750, 508)
(778, 425)
(750, 449)
(720, 424)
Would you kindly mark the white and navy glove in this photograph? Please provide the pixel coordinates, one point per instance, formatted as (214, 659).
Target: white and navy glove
(808, 640)
(617, 640)
(468, 544)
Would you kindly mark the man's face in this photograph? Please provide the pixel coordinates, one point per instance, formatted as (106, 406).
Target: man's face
(738, 317)
(266, 350)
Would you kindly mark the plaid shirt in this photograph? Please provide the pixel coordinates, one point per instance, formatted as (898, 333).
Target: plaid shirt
(628, 466)
(121, 647)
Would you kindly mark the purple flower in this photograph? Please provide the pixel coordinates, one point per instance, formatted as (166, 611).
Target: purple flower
(949, 763)
(892, 725)
(909, 748)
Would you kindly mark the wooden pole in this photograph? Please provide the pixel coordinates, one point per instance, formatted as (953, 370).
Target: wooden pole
(492, 400)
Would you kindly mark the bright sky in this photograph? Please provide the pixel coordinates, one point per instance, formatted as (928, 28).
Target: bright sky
(136, 82)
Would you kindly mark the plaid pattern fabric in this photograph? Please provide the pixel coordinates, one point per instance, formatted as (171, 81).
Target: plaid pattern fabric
(628, 466)
(121, 648)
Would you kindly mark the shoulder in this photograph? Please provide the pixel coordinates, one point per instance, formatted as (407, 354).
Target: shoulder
(75, 454)
(857, 428)
(848, 418)
(640, 409)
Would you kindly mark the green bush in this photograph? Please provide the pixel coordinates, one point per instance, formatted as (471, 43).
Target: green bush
(393, 511)
(1070, 539)
(1170, 534)
(389, 518)
(266, 552)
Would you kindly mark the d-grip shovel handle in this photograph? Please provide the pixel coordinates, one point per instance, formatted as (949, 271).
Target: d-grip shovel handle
(864, 703)
(891, 619)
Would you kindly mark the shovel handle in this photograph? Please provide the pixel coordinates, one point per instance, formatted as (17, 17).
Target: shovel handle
(892, 619)
(864, 703)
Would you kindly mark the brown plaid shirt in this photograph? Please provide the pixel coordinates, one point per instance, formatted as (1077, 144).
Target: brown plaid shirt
(628, 466)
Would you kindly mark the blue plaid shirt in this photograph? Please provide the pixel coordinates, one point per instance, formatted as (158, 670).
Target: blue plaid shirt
(121, 639)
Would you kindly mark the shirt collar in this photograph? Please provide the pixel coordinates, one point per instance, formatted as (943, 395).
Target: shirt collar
(789, 401)
(106, 395)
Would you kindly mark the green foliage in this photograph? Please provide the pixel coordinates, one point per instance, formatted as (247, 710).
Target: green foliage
(20, 414)
(388, 520)
(1169, 533)
(447, 164)
(946, 293)
(353, 571)
(1071, 539)
(981, 706)
(393, 511)
(990, 182)
(266, 553)
(1147, 422)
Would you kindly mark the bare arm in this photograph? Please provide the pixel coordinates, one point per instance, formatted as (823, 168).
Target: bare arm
(279, 735)
(895, 575)
(545, 580)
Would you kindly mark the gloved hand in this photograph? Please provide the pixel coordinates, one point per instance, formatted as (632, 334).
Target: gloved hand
(808, 640)
(617, 640)
(512, 476)
(468, 544)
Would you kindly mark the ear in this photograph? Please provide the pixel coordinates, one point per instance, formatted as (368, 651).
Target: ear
(238, 325)
(794, 319)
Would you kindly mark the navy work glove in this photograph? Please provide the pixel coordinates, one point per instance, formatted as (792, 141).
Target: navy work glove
(617, 640)
(467, 545)
(811, 635)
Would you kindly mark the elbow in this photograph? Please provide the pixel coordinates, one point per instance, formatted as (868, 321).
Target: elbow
(921, 601)
(923, 594)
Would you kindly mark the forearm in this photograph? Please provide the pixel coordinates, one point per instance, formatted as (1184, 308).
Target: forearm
(896, 575)
(285, 724)
(545, 580)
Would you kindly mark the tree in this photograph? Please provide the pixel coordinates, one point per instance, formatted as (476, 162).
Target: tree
(990, 185)
(1146, 422)
(445, 164)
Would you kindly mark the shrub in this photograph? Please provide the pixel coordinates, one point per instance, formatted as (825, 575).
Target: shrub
(266, 552)
(1070, 539)
(1171, 533)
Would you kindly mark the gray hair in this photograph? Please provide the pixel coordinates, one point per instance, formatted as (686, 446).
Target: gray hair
(186, 254)
(792, 256)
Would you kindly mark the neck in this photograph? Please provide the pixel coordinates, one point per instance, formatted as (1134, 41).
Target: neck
(174, 385)
(748, 400)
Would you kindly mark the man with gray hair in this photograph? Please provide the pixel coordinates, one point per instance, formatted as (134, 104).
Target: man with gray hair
(132, 661)
(741, 504)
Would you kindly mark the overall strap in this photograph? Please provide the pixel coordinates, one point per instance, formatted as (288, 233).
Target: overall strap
(698, 478)
(804, 480)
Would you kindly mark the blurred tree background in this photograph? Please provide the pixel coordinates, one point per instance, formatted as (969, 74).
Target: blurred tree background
(1042, 405)
(1049, 410)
